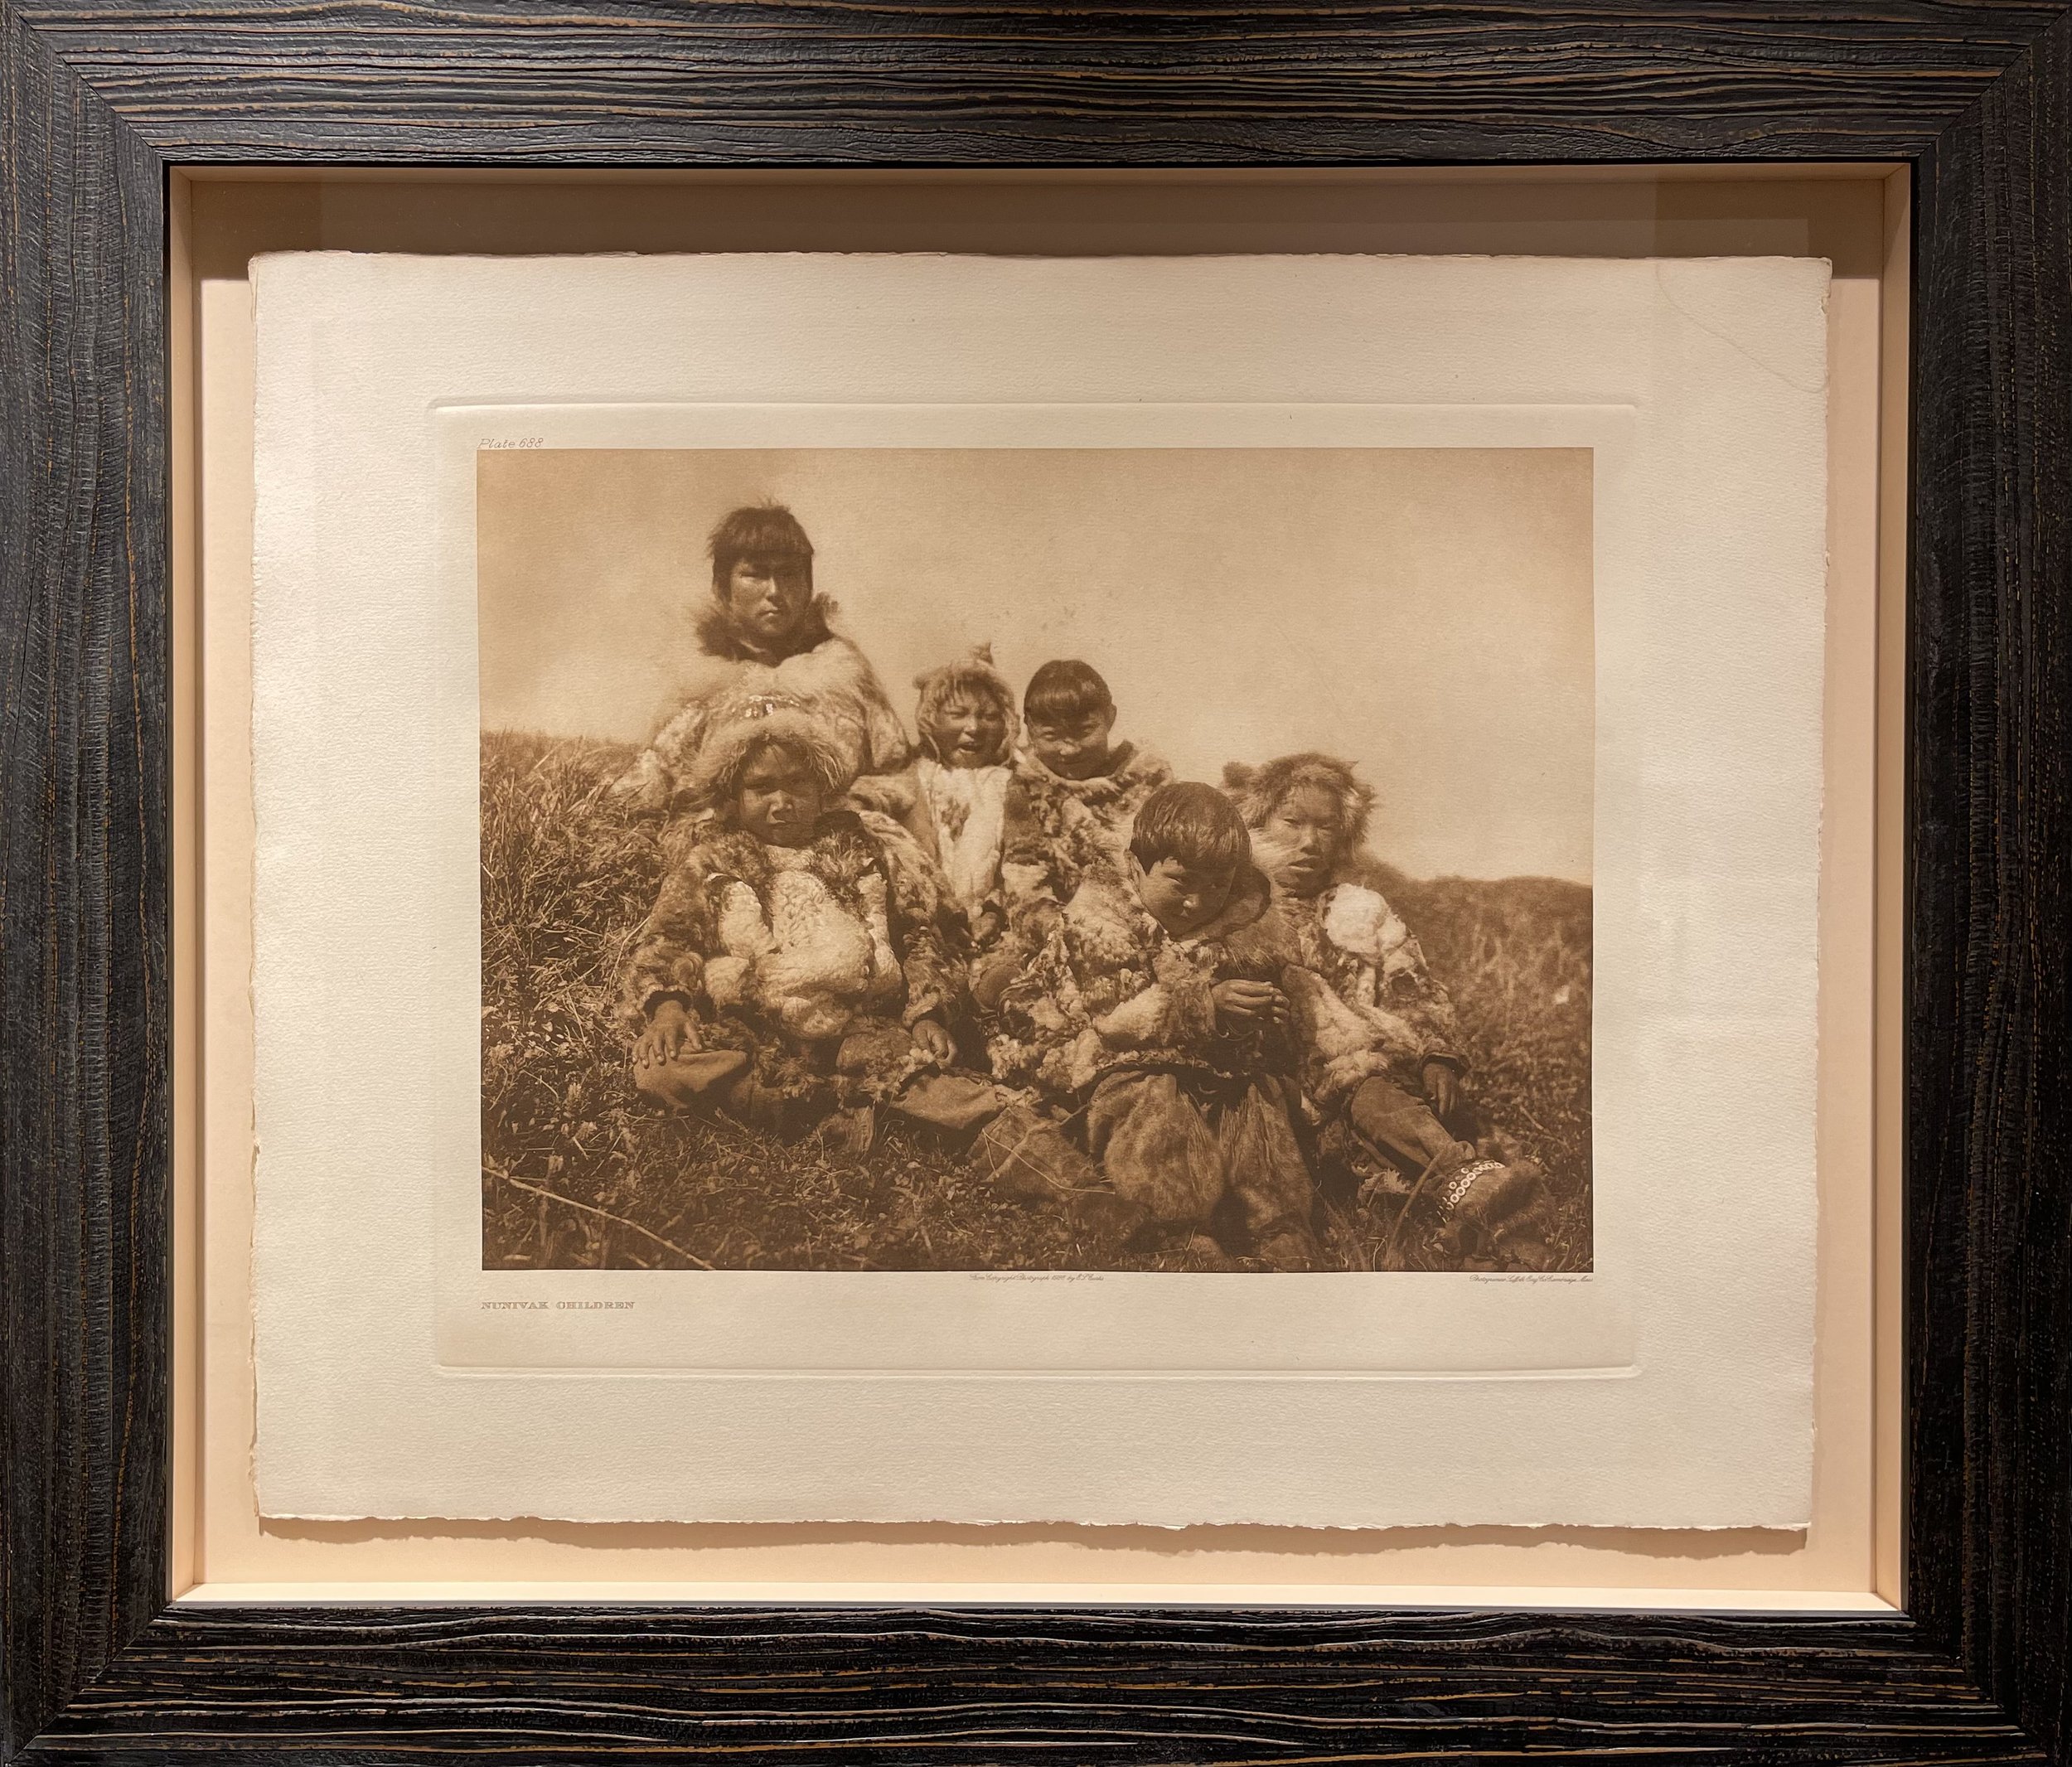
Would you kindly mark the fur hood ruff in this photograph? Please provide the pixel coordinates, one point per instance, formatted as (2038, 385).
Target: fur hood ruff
(841, 855)
(718, 636)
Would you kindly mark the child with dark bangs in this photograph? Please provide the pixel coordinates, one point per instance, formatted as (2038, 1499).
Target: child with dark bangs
(787, 972)
(1076, 791)
(1139, 1012)
(1075, 794)
(765, 630)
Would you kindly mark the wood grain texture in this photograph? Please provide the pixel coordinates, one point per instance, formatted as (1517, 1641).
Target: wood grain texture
(824, 82)
(858, 1686)
(1990, 1065)
(84, 1148)
(99, 93)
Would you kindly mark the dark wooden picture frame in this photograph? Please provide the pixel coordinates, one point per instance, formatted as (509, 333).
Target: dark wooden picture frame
(99, 100)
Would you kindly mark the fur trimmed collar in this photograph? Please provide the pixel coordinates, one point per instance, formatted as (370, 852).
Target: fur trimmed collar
(1129, 766)
(1250, 895)
(718, 636)
(840, 852)
(1107, 911)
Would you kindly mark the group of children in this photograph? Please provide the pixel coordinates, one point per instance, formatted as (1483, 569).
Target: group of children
(1161, 1004)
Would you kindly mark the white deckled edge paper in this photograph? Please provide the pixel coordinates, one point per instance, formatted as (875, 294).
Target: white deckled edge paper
(1710, 624)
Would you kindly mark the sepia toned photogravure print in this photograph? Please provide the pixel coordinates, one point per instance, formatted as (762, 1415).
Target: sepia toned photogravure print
(1154, 859)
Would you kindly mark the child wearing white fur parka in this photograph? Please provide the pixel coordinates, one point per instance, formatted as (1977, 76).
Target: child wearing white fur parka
(952, 802)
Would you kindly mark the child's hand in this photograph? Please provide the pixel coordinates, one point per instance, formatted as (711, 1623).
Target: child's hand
(671, 1032)
(989, 925)
(1442, 1087)
(932, 1040)
(1249, 1005)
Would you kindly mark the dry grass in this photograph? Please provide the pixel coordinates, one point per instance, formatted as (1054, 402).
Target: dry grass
(566, 882)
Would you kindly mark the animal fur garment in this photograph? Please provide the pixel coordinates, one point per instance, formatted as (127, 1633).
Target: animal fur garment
(1110, 988)
(1258, 791)
(956, 819)
(793, 943)
(1178, 1148)
(967, 810)
(737, 725)
(1364, 1003)
(825, 672)
(1058, 830)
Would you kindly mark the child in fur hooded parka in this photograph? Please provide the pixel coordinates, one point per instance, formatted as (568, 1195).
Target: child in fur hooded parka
(787, 969)
(1140, 1014)
(1380, 1047)
(765, 631)
(953, 800)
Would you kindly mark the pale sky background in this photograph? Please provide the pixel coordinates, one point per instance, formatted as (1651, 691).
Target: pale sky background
(1424, 612)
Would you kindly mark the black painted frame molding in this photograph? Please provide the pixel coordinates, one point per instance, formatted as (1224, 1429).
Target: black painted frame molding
(98, 99)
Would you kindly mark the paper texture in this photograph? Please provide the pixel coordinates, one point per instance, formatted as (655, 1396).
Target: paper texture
(1669, 1387)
